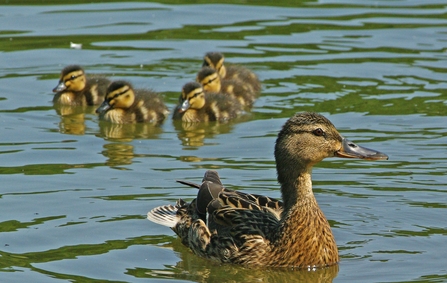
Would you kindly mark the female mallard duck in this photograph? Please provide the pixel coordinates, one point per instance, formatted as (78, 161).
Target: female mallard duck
(123, 105)
(211, 82)
(75, 89)
(216, 60)
(233, 227)
(196, 106)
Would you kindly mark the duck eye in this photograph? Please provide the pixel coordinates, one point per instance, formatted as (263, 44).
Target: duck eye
(318, 132)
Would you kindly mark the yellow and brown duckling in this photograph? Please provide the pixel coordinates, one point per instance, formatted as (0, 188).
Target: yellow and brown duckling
(196, 106)
(212, 82)
(215, 60)
(233, 227)
(123, 105)
(75, 89)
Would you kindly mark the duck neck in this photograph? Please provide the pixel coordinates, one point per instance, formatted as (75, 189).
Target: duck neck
(303, 226)
(297, 191)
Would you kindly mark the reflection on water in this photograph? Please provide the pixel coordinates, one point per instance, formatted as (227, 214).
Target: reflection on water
(195, 134)
(118, 153)
(127, 132)
(72, 124)
(191, 267)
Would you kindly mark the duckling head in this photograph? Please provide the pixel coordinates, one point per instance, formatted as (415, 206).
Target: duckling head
(210, 79)
(192, 97)
(120, 94)
(215, 60)
(72, 78)
(308, 138)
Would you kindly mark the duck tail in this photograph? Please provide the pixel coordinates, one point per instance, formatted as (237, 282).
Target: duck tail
(165, 215)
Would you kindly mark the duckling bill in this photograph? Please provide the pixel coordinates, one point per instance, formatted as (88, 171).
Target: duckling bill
(253, 230)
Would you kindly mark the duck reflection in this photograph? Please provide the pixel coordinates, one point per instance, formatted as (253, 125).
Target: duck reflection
(72, 119)
(118, 153)
(192, 267)
(128, 132)
(194, 134)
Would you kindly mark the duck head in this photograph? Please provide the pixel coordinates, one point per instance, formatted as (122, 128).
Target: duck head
(72, 78)
(215, 60)
(120, 94)
(308, 138)
(192, 97)
(210, 79)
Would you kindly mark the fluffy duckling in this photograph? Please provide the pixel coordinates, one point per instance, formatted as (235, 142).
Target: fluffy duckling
(211, 82)
(123, 105)
(216, 60)
(75, 89)
(196, 106)
(234, 227)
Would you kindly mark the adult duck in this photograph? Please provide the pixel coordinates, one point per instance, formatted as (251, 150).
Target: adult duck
(233, 227)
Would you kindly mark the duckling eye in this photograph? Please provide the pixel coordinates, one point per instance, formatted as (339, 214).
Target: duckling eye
(196, 94)
(319, 132)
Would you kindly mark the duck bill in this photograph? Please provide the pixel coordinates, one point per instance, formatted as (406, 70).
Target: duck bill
(185, 106)
(352, 150)
(104, 107)
(60, 87)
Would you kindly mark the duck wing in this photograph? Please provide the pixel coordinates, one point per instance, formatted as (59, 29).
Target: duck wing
(213, 195)
(235, 213)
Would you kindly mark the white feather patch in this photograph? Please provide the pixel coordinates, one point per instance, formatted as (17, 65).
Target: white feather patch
(164, 215)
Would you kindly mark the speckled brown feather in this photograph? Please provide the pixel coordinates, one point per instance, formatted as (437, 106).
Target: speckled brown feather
(232, 227)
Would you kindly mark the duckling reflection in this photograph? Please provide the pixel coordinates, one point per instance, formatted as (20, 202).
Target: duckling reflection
(195, 134)
(72, 124)
(128, 132)
(118, 153)
(76, 89)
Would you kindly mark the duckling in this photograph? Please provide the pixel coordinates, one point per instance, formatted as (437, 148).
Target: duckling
(75, 89)
(123, 105)
(211, 82)
(215, 60)
(196, 106)
(234, 227)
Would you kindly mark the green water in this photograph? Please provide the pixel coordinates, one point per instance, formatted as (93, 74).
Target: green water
(75, 192)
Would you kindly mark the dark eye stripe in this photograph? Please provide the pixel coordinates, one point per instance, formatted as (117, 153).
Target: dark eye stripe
(118, 94)
(73, 77)
(210, 81)
(196, 94)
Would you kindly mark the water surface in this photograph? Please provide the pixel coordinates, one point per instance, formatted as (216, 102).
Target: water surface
(75, 192)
